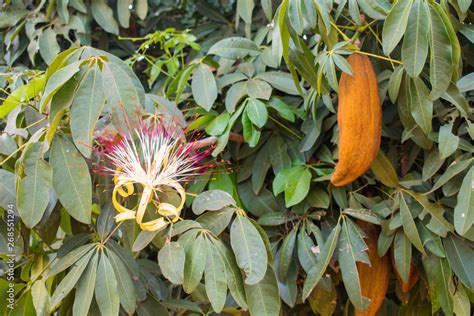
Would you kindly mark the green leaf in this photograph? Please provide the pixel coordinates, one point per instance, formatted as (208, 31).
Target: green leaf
(461, 303)
(212, 200)
(89, 100)
(415, 43)
(245, 8)
(70, 258)
(421, 106)
(409, 226)
(234, 95)
(249, 249)
(22, 94)
(48, 45)
(306, 256)
(171, 260)
(122, 88)
(69, 281)
(104, 16)
(317, 271)
(402, 253)
(441, 54)
(71, 179)
(286, 254)
(348, 256)
(33, 189)
(218, 125)
(204, 87)
(263, 297)
(257, 112)
(453, 169)
(217, 221)
(125, 288)
(366, 215)
(460, 256)
(258, 89)
(234, 276)
(384, 170)
(395, 25)
(295, 182)
(464, 209)
(215, 277)
(448, 143)
(141, 8)
(279, 80)
(106, 292)
(56, 81)
(85, 288)
(7, 188)
(123, 12)
(394, 83)
(195, 264)
(234, 48)
(439, 276)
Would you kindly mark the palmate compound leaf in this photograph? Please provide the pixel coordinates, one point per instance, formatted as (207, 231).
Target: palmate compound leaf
(70, 280)
(249, 249)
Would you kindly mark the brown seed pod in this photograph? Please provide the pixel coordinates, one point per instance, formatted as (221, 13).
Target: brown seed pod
(374, 278)
(359, 119)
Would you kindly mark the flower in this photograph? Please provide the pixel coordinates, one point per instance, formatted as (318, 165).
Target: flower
(157, 157)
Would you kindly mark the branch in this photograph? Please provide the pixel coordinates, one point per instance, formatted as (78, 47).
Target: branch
(211, 140)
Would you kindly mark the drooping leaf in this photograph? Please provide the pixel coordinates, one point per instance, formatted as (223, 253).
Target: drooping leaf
(249, 249)
(215, 277)
(71, 179)
(106, 291)
(234, 48)
(464, 209)
(171, 260)
(263, 297)
(415, 43)
(395, 25)
(33, 190)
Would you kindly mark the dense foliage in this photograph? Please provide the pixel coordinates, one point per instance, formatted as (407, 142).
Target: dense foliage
(263, 230)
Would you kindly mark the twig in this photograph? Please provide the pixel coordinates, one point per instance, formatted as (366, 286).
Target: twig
(211, 140)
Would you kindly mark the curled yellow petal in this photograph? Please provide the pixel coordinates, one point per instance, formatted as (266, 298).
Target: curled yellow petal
(168, 210)
(129, 189)
(144, 201)
(117, 205)
(125, 216)
(154, 225)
